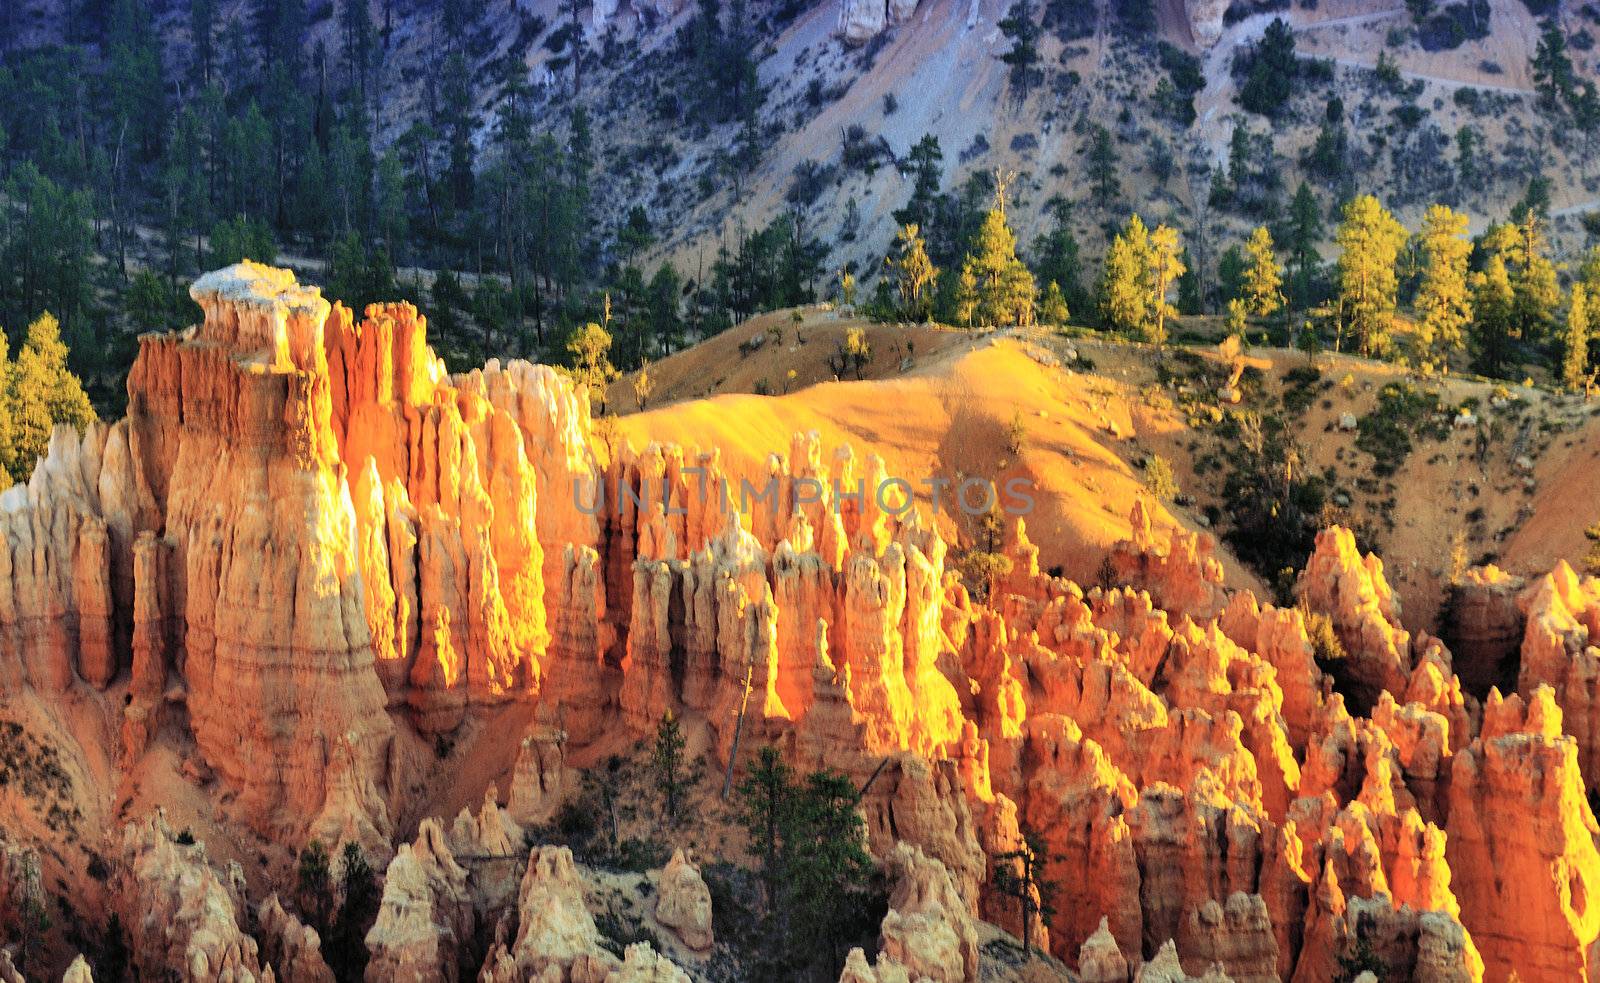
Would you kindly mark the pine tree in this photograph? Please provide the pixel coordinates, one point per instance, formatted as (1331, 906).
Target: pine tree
(1370, 238)
(1263, 278)
(1538, 294)
(1053, 308)
(1238, 316)
(669, 761)
(926, 159)
(1444, 307)
(1575, 340)
(1553, 77)
(1021, 29)
(1305, 230)
(1018, 874)
(915, 275)
(1165, 268)
(314, 887)
(966, 297)
(8, 427)
(1004, 287)
(355, 24)
(662, 300)
(42, 392)
(203, 37)
(457, 121)
(1125, 288)
(827, 866)
(1589, 271)
(765, 798)
(1103, 168)
(344, 944)
(1055, 255)
(1493, 306)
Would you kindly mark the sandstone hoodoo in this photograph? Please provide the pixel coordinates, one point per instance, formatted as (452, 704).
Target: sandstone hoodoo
(313, 587)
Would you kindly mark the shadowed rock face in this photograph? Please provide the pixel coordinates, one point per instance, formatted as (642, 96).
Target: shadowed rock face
(310, 549)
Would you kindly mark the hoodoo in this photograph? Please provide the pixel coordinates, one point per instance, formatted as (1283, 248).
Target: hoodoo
(318, 559)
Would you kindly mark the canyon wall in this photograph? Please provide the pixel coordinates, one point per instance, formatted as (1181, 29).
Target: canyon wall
(308, 548)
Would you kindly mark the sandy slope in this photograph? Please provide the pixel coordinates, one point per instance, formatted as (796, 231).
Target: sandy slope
(945, 412)
(946, 416)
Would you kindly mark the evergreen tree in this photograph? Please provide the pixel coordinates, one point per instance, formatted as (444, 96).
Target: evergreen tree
(925, 159)
(1553, 77)
(669, 753)
(765, 798)
(40, 393)
(827, 867)
(457, 121)
(1589, 271)
(1165, 268)
(1125, 286)
(344, 946)
(48, 245)
(1575, 341)
(1019, 875)
(1523, 245)
(915, 275)
(355, 25)
(203, 38)
(1003, 288)
(1370, 239)
(1053, 308)
(1493, 306)
(1020, 27)
(8, 425)
(966, 297)
(1103, 168)
(1269, 81)
(1444, 306)
(1263, 279)
(314, 887)
(134, 85)
(1231, 269)
(1056, 258)
(662, 302)
(1305, 230)
(1467, 141)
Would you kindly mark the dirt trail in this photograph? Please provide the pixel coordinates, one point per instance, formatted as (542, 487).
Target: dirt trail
(1512, 90)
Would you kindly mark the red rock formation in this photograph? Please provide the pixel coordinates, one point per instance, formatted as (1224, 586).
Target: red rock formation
(556, 937)
(683, 902)
(1351, 590)
(1522, 834)
(927, 934)
(424, 916)
(290, 947)
(316, 550)
(1183, 576)
(1562, 614)
(181, 917)
(1486, 627)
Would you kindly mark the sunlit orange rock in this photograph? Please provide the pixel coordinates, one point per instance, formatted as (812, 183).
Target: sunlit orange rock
(1352, 591)
(1522, 836)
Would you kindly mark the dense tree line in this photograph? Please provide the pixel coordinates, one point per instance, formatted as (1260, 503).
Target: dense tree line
(1430, 297)
(127, 167)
